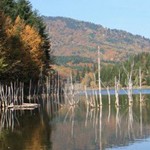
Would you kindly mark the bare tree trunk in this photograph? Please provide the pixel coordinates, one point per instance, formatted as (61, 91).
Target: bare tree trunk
(140, 84)
(141, 120)
(99, 77)
(108, 92)
(116, 91)
(130, 85)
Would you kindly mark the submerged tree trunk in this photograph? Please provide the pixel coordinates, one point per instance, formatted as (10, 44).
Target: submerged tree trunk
(99, 77)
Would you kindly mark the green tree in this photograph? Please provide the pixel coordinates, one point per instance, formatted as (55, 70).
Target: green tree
(24, 44)
(3, 63)
(8, 7)
(24, 10)
(78, 78)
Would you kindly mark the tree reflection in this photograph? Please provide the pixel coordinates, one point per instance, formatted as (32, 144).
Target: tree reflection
(21, 130)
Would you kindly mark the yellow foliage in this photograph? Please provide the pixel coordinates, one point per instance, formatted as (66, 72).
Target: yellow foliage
(89, 80)
(93, 84)
(16, 28)
(29, 37)
(32, 42)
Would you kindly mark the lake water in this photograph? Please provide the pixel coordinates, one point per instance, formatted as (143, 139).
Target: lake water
(120, 92)
(78, 127)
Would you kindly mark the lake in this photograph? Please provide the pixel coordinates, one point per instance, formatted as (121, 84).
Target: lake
(78, 127)
(121, 91)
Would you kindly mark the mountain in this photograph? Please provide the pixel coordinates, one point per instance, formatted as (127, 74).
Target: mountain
(79, 39)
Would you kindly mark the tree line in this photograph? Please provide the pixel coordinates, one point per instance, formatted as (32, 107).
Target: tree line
(89, 75)
(25, 49)
(63, 60)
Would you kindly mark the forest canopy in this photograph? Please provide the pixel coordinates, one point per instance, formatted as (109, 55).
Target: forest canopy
(24, 44)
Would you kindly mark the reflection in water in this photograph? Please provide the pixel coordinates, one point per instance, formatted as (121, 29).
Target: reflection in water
(141, 122)
(130, 123)
(118, 127)
(24, 130)
(101, 128)
(75, 127)
(109, 113)
(71, 111)
(8, 119)
(96, 115)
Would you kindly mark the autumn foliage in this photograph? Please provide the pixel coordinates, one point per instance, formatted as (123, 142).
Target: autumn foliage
(24, 46)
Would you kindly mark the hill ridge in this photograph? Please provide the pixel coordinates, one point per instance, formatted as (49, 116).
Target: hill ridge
(71, 37)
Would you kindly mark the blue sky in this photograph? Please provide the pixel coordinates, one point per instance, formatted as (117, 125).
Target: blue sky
(129, 15)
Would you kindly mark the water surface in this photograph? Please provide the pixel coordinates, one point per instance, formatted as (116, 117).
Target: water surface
(78, 127)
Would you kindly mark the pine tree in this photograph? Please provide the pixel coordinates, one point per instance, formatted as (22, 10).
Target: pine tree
(8, 7)
(78, 76)
(24, 44)
(3, 63)
(24, 10)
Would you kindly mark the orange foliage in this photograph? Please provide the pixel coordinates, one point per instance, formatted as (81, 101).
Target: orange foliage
(33, 42)
(30, 38)
(14, 29)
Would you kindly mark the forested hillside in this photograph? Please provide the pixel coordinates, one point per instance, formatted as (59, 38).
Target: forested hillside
(123, 70)
(77, 38)
(135, 67)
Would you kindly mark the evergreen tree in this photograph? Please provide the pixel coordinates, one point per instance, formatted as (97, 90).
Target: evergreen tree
(83, 72)
(8, 7)
(78, 76)
(24, 10)
(3, 63)
(24, 44)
